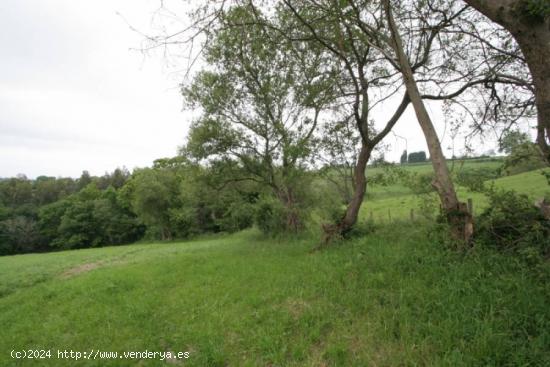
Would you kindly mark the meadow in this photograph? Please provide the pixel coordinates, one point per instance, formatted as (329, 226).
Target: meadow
(394, 297)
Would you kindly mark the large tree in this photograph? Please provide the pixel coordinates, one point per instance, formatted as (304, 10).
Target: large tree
(529, 23)
(262, 98)
(360, 79)
(456, 212)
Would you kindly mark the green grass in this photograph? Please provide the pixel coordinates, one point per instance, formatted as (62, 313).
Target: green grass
(391, 298)
(490, 163)
(396, 201)
(396, 297)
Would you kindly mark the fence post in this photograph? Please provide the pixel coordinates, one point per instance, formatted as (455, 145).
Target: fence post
(471, 206)
(371, 217)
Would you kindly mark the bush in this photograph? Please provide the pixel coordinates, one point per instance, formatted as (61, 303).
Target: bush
(360, 229)
(239, 215)
(512, 223)
(474, 179)
(419, 183)
(270, 215)
(523, 158)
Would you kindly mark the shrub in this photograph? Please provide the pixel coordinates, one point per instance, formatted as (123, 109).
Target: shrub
(512, 223)
(419, 183)
(523, 158)
(270, 215)
(474, 179)
(361, 229)
(239, 215)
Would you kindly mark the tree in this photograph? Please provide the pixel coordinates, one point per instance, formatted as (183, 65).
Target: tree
(50, 189)
(84, 180)
(49, 219)
(262, 100)
(511, 140)
(89, 218)
(360, 25)
(529, 23)
(154, 196)
(404, 158)
(16, 191)
(368, 28)
(18, 234)
(433, 44)
(116, 179)
(417, 157)
(522, 154)
(456, 212)
(329, 26)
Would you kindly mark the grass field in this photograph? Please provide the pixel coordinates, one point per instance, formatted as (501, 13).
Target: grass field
(396, 297)
(397, 200)
(392, 298)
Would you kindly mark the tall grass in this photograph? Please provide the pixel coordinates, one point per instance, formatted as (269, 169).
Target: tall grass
(394, 297)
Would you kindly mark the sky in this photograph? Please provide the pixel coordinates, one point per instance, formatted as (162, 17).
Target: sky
(76, 95)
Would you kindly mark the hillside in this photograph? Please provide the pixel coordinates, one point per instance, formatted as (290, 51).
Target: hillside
(399, 200)
(386, 299)
(396, 296)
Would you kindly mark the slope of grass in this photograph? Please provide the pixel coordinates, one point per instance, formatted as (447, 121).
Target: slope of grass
(426, 167)
(396, 201)
(392, 298)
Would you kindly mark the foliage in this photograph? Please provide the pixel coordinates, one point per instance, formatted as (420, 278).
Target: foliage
(535, 10)
(387, 174)
(523, 158)
(361, 230)
(417, 157)
(546, 174)
(419, 183)
(261, 103)
(404, 157)
(474, 179)
(88, 219)
(270, 216)
(522, 154)
(512, 223)
(18, 234)
(155, 194)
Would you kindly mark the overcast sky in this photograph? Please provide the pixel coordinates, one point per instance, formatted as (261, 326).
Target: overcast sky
(74, 96)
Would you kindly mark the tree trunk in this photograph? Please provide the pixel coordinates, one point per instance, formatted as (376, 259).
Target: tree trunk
(532, 34)
(535, 45)
(352, 211)
(360, 182)
(456, 212)
(293, 222)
